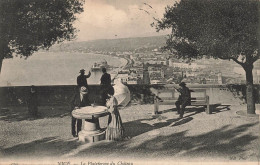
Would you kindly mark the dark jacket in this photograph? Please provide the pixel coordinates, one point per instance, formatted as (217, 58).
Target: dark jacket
(105, 79)
(77, 102)
(82, 80)
(185, 95)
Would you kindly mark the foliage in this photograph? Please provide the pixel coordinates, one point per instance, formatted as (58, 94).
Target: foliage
(239, 91)
(225, 29)
(29, 25)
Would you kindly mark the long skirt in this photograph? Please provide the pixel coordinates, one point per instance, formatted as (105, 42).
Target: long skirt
(115, 129)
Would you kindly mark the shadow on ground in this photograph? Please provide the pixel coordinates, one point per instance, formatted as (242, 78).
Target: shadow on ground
(215, 108)
(18, 113)
(137, 127)
(46, 147)
(223, 142)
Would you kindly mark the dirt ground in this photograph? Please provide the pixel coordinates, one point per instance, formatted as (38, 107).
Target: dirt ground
(224, 136)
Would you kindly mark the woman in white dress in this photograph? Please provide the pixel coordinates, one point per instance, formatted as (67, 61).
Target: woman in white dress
(115, 129)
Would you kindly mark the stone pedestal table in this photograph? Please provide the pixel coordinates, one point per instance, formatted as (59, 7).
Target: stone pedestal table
(91, 131)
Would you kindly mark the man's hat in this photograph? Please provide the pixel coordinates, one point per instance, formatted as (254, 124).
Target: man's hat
(82, 70)
(182, 84)
(83, 89)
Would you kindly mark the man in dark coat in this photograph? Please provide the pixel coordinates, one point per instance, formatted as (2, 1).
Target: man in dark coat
(184, 99)
(105, 85)
(78, 100)
(33, 102)
(82, 78)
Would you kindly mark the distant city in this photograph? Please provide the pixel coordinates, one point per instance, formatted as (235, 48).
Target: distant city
(147, 64)
(160, 68)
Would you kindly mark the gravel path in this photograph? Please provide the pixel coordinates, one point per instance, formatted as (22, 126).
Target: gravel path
(221, 136)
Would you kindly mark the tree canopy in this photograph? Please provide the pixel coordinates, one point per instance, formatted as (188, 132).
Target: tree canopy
(29, 25)
(225, 29)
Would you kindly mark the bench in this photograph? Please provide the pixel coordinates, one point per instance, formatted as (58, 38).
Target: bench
(168, 96)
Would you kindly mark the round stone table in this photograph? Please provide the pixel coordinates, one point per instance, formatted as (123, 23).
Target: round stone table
(91, 131)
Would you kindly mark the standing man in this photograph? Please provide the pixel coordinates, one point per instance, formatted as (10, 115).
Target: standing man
(33, 102)
(184, 99)
(78, 100)
(105, 84)
(82, 78)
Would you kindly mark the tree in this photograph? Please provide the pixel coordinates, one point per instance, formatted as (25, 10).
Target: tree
(224, 29)
(29, 25)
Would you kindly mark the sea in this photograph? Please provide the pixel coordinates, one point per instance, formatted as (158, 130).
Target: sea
(54, 68)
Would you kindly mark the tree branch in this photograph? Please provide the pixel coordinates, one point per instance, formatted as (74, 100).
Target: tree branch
(234, 59)
(256, 58)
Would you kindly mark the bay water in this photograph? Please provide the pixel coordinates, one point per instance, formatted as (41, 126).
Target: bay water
(53, 68)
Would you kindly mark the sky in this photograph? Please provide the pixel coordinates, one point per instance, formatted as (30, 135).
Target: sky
(111, 19)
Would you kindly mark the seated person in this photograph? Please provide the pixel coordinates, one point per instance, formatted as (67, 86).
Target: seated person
(184, 99)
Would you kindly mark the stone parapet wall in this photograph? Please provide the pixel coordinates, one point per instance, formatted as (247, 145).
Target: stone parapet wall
(47, 95)
(140, 94)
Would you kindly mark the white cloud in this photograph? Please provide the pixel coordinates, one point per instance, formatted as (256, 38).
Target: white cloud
(103, 20)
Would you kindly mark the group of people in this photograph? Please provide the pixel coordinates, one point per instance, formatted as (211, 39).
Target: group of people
(114, 130)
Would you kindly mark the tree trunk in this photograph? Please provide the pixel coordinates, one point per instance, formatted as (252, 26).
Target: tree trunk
(1, 62)
(250, 90)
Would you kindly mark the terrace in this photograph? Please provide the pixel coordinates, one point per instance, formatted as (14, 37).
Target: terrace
(224, 135)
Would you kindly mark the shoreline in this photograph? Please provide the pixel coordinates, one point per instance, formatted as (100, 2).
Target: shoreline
(64, 63)
(120, 58)
(116, 69)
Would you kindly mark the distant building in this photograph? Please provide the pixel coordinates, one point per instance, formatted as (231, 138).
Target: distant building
(212, 79)
(220, 81)
(123, 77)
(183, 65)
(168, 72)
(155, 81)
(146, 78)
(156, 78)
(132, 80)
(162, 62)
(178, 65)
(191, 74)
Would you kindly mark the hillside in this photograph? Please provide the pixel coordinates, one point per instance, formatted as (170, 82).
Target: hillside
(122, 44)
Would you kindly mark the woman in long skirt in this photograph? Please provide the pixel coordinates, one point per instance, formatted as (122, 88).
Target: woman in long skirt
(115, 129)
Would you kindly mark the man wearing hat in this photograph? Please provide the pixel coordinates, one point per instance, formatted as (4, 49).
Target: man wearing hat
(82, 78)
(79, 99)
(105, 83)
(184, 99)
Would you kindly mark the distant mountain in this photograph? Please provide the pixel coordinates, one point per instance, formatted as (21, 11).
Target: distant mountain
(116, 45)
